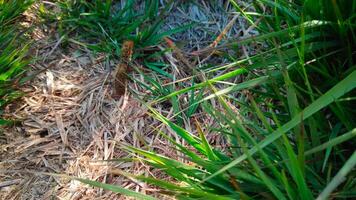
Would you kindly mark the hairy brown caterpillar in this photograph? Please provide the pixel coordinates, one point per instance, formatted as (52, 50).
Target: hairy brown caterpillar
(120, 75)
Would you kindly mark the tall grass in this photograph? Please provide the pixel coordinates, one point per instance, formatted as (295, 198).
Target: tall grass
(289, 126)
(12, 51)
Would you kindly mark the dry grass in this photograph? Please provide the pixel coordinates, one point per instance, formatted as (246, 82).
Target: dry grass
(71, 122)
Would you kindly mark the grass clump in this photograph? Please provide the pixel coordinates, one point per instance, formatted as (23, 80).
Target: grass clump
(290, 133)
(104, 25)
(12, 52)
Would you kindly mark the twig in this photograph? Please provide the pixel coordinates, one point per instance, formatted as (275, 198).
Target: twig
(219, 38)
(9, 183)
(188, 65)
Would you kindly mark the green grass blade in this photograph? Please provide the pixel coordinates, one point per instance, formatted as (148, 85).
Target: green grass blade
(339, 178)
(334, 133)
(190, 138)
(116, 189)
(333, 142)
(334, 93)
(209, 151)
(186, 190)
